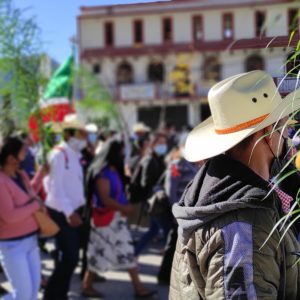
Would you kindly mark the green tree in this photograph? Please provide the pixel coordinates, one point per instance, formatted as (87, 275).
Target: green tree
(20, 60)
(96, 101)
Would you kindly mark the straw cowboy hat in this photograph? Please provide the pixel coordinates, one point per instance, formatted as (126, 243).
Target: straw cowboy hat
(240, 106)
(140, 127)
(72, 121)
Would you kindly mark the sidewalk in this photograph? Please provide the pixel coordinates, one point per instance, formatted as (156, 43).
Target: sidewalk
(117, 285)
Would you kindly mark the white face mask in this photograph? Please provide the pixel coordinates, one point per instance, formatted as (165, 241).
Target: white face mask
(77, 144)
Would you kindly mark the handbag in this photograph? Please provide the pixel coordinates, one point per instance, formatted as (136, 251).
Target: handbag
(47, 226)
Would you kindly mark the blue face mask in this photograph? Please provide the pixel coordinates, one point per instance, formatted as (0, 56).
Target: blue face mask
(160, 149)
(92, 137)
(57, 138)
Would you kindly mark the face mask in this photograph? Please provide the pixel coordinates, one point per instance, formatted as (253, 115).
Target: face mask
(92, 137)
(285, 149)
(281, 160)
(57, 138)
(76, 144)
(160, 149)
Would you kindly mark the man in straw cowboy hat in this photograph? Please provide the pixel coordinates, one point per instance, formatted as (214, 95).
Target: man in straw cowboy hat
(227, 212)
(65, 195)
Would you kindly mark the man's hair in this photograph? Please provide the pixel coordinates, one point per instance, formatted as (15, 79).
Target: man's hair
(23, 135)
(70, 131)
(157, 136)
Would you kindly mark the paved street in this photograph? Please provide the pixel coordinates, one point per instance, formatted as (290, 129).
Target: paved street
(118, 285)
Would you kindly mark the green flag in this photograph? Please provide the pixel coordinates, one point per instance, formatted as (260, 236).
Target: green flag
(60, 85)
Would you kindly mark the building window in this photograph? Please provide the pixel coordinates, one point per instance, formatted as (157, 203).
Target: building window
(227, 26)
(198, 28)
(260, 18)
(254, 62)
(124, 73)
(156, 72)
(96, 68)
(212, 69)
(138, 36)
(167, 30)
(109, 34)
(293, 18)
(293, 64)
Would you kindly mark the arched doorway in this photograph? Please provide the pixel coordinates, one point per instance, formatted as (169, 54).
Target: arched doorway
(254, 62)
(156, 72)
(124, 73)
(292, 64)
(212, 69)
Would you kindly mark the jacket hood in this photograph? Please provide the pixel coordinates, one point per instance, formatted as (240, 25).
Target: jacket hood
(221, 185)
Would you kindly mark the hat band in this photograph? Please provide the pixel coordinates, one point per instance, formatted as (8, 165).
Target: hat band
(241, 126)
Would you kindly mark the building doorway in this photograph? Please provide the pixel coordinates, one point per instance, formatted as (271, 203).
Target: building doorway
(124, 73)
(175, 114)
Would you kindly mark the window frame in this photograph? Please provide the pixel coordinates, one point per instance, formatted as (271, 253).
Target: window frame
(170, 40)
(107, 24)
(256, 32)
(289, 30)
(195, 17)
(135, 24)
(227, 14)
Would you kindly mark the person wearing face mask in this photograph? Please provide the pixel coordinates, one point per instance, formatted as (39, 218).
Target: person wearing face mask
(151, 170)
(92, 131)
(110, 243)
(19, 252)
(65, 197)
(87, 156)
(228, 211)
(179, 173)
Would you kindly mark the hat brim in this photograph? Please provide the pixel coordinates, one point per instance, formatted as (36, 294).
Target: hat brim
(74, 126)
(203, 142)
(141, 129)
(60, 127)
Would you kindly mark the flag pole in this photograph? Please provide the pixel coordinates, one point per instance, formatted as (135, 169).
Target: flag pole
(73, 42)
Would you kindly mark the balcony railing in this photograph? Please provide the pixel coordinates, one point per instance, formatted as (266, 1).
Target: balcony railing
(146, 92)
(154, 91)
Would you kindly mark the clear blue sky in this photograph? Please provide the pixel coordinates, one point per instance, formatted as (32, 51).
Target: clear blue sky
(57, 20)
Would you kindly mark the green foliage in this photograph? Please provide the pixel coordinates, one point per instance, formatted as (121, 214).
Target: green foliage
(96, 102)
(20, 60)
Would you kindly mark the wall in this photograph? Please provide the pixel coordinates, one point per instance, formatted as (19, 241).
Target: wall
(91, 33)
(244, 26)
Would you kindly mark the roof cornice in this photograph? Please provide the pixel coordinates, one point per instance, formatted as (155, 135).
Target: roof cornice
(171, 6)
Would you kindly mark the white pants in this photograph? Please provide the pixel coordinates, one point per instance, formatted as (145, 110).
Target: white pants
(20, 260)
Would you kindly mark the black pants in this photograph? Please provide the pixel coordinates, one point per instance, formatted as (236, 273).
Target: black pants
(85, 229)
(164, 273)
(67, 246)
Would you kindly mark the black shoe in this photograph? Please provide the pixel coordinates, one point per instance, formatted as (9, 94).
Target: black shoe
(163, 281)
(145, 295)
(92, 294)
(99, 278)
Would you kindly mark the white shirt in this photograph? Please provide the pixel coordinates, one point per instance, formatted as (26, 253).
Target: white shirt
(64, 184)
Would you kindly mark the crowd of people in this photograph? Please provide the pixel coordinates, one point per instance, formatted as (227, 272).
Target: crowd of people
(89, 185)
(214, 195)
